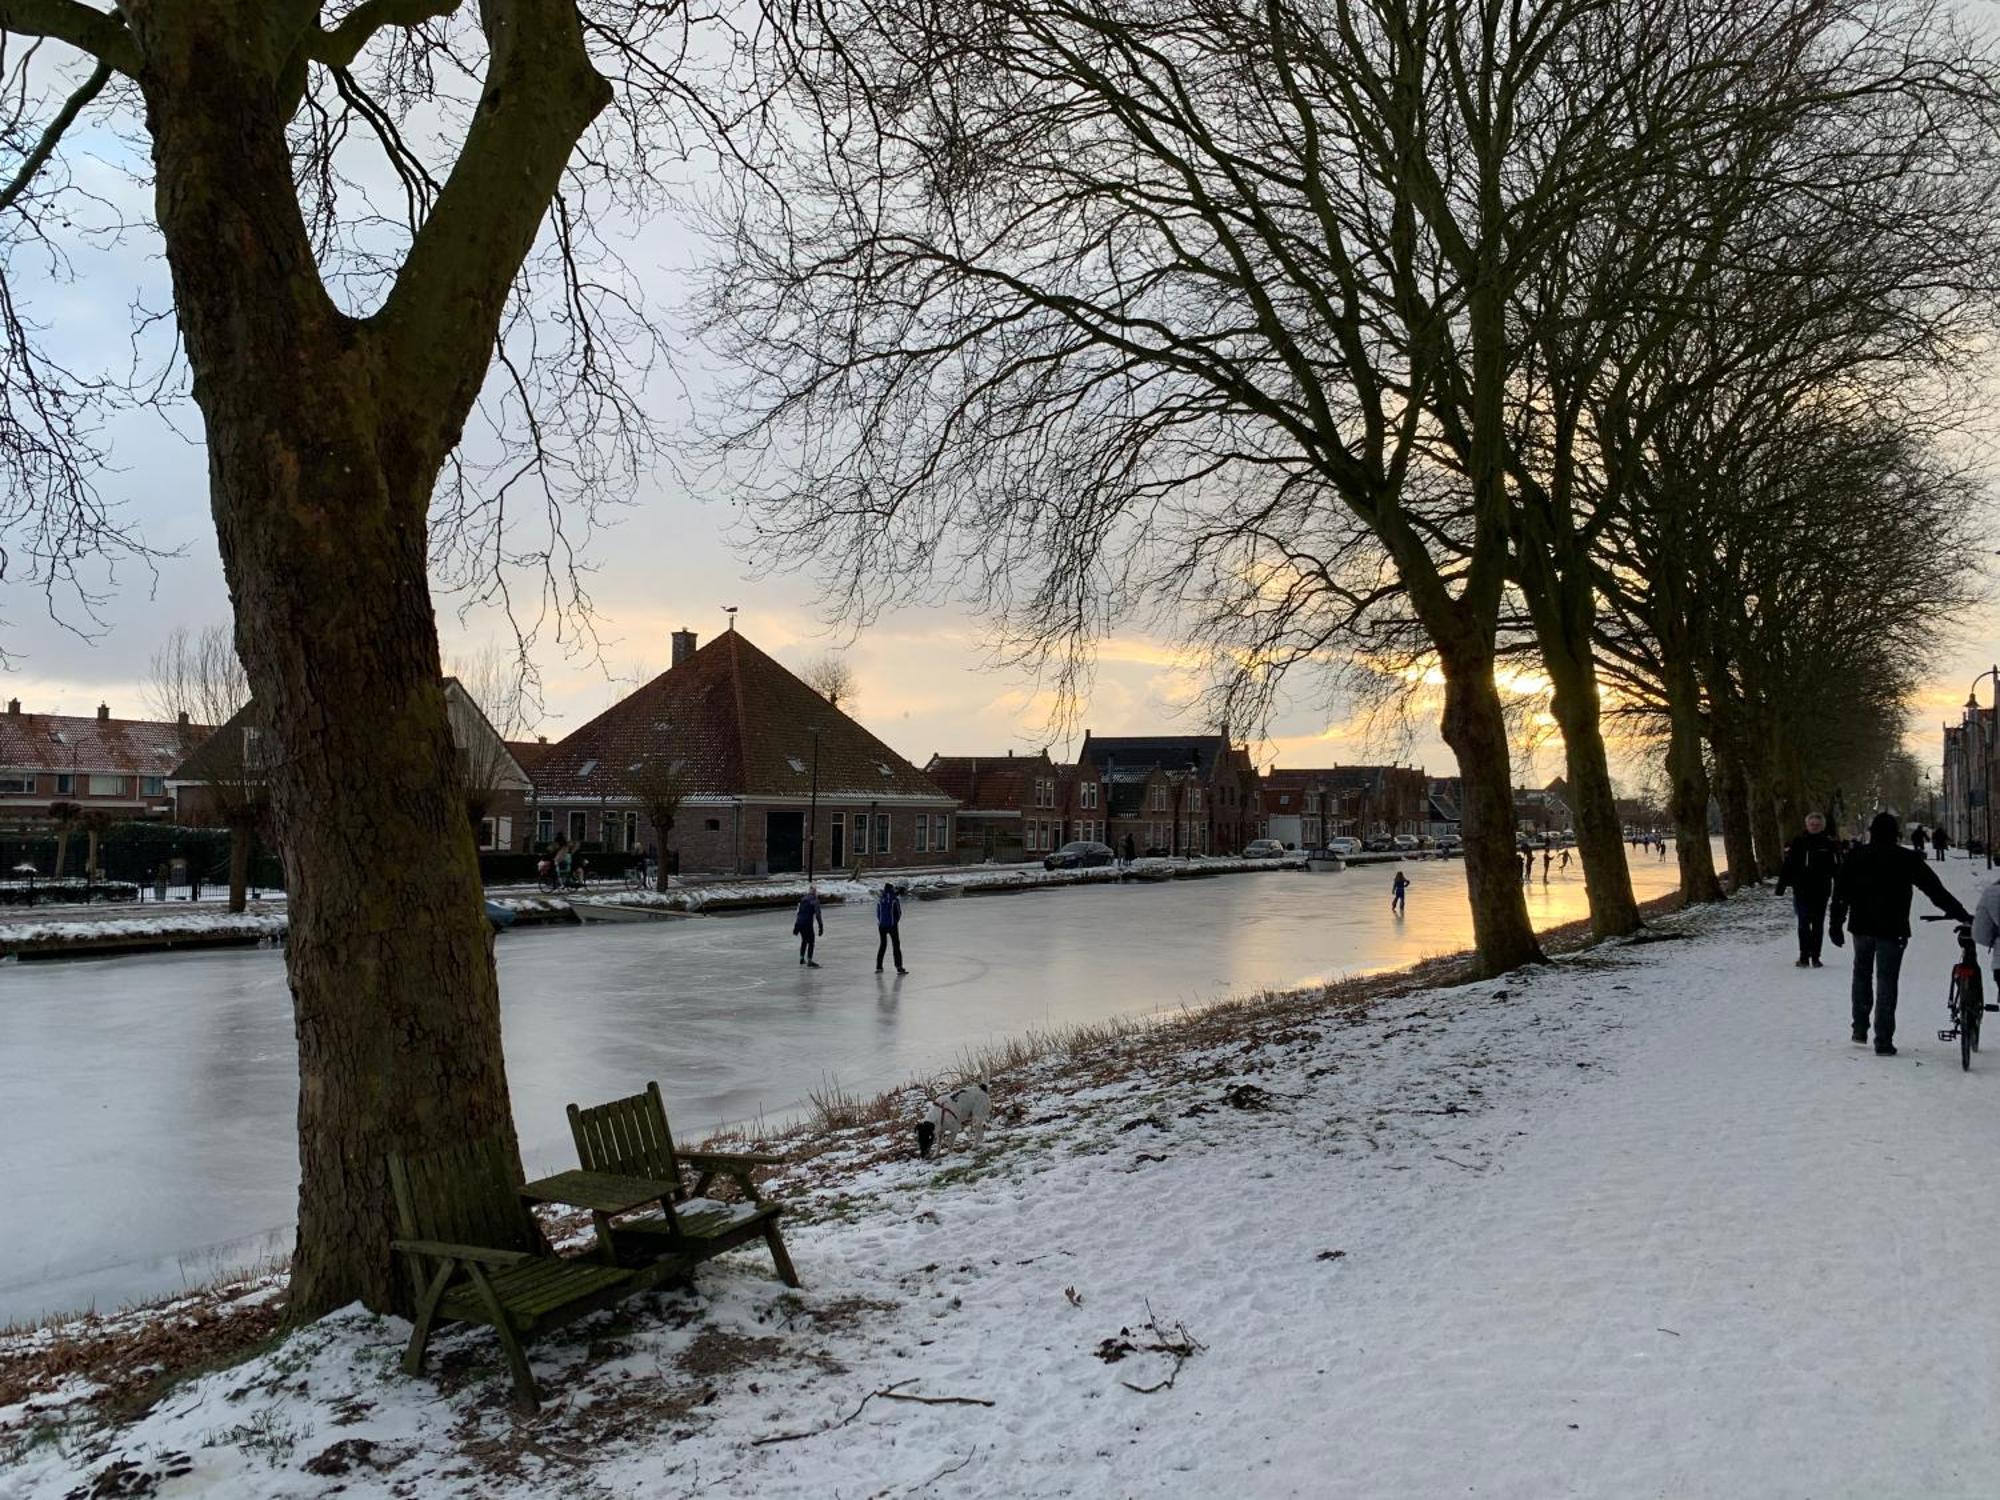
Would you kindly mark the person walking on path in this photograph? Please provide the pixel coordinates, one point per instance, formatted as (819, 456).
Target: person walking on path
(1131, 851)
(1939, 843)
(1986, 927)
(1919, 840)
(1871, 895)
(1401, 890)
(889, 924)
(809, 925)
(1563, 863)
(1812, 860)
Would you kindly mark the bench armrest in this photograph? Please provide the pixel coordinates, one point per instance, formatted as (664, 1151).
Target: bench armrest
(729, 1161)
(444, 1251)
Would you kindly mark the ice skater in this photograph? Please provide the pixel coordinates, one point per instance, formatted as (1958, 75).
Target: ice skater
(1401, 891)
(809, 925)
(1563, 864)
(889, 924)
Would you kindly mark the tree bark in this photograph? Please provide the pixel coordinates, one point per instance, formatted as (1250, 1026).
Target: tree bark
(1738, 844)
(1690, 785)
(1475, 727)
(1600, 838)
(325, 437)
(1765, 829)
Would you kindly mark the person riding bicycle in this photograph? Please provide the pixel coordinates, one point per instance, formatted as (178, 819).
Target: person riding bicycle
(1871, 895)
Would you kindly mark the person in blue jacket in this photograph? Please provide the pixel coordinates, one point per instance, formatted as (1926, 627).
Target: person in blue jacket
(1401, 889)
(809, 925)
(889, 924)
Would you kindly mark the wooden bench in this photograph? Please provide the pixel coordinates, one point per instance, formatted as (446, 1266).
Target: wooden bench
(477, 1256)
(630, 1137)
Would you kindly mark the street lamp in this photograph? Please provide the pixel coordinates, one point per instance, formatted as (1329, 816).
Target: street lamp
(1986, 738)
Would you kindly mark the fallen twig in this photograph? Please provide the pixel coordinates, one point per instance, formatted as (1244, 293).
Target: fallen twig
(948, 1469)
(936, 1400)
(793, 1437)
(1180, 1345)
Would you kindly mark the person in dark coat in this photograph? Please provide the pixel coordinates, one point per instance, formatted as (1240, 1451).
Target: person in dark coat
(1939, 843)
(1919, 840)
(1871, 895)
(1131, 850)
(889, 924)
(1811, 862)
(809, 925)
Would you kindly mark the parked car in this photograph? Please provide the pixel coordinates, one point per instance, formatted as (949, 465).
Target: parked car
(1079, 855)
(1449, 845)
(1263, 849)
(1343, 846)
(1406, 843)
(1380, 844)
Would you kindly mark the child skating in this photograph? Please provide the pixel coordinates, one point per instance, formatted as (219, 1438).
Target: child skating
(1401, 889)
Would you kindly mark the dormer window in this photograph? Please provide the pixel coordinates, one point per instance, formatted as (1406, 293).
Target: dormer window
(587, 767)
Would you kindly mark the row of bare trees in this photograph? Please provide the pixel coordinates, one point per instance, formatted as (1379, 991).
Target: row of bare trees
(1626, 335)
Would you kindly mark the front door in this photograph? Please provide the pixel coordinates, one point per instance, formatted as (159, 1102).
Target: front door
(784, 841)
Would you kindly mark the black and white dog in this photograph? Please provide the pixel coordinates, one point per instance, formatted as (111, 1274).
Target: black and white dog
(970, 1107)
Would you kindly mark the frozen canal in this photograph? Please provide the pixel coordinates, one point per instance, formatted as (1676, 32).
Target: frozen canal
(146, 1104)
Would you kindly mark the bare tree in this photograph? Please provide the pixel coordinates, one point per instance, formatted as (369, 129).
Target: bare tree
(658, 783)
(832, 677)
(338, 340)
(200, 675)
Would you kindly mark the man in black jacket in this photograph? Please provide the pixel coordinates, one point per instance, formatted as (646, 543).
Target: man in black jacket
(1810, 865)
(1872, 895)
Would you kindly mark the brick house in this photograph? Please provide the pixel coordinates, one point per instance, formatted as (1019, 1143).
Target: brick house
(1008, 804)
(1214, 803)
(1362, 802)
(758, 752)
(115, 766)
(1140, 804)
(226, 772)
(1296, 805)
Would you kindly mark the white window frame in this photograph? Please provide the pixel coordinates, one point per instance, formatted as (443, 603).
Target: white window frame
(489, 833)
(923, 834)
(1090, 794)
(17, 783)
(152, 786)
(545, 825)
(65, 784)
(941, 831)
(882, 840)
(860, 834)
(102, 785)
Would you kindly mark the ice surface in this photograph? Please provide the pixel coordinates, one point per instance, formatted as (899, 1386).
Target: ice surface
(147, 1103)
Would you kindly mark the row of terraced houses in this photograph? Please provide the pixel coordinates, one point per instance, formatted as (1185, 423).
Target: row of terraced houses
(775, 779)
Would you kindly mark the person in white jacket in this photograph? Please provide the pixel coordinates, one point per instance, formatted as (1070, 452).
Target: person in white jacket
(1986, 925)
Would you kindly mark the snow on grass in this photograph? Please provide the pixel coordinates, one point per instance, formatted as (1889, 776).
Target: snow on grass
(1640, 1223)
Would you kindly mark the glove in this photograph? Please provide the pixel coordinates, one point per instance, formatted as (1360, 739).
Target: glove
(1834, 933)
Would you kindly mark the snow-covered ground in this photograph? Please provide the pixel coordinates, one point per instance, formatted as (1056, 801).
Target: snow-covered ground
(1640, 1224)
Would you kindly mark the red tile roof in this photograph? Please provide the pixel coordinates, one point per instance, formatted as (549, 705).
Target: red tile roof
(742, 727)
(64, 742)
(990, 783)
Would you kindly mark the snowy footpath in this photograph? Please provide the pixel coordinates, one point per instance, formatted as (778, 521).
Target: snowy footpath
(1644, 1223)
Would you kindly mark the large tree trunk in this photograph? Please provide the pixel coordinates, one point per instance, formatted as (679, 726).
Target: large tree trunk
(1600, 838)
(1765, 829)
(1738, 843)
(1689, 777)
(1475, 727)
(325, 436)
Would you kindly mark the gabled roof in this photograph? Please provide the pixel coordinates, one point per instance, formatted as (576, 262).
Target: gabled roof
(219, 758)
(990, 783)
(1173, 752)
(65, 742)
(527, 753)
(741, 726)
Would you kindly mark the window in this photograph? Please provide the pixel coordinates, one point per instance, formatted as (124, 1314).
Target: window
(579, 823)
(1028, 835)
(923, 833)
(152, 786)
(631, 830)
(713, 825)
(1045, 793)
(1159, 799)
(488, 832)
(940, 832)
(107, 786)
(18, 782)
(861, 833)
(881, 833)
(545, 826)
(65, 784)
(1090, 794)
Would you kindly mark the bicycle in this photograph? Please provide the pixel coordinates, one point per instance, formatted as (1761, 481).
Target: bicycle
(549, 880)
(635, 878)
(1966, 999)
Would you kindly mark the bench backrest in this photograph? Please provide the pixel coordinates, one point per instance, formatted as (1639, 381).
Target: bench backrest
(628, 1136)
(465, 1195)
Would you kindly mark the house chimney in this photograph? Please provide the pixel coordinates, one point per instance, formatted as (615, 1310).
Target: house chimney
(184, 718)
(103, 710)
(683, 646)
(14, 707)
(541, 739)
